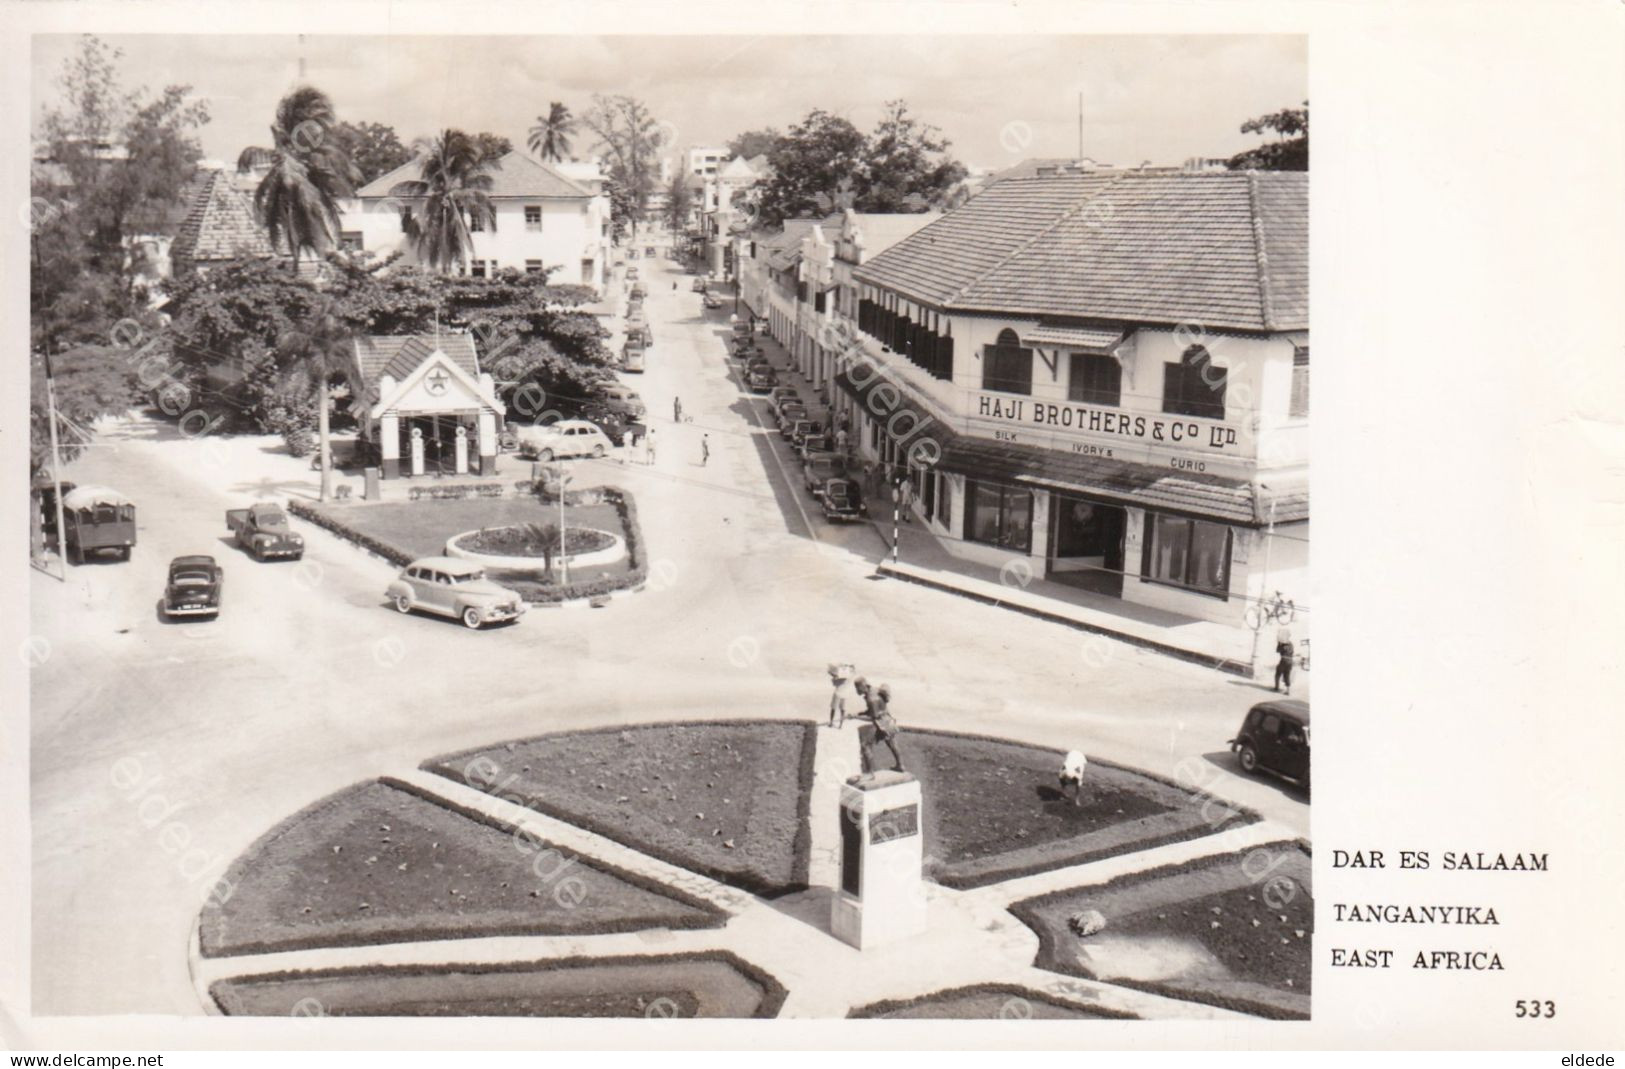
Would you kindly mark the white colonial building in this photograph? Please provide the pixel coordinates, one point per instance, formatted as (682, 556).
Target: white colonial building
(1103, 375)
(548, 217)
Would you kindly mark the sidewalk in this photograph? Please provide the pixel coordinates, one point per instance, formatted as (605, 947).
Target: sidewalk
(922, 559)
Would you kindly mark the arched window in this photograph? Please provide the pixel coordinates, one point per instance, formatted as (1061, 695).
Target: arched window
(1006, 366)
(1194, 386)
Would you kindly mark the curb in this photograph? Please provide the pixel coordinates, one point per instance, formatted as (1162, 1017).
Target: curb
(1208, 660)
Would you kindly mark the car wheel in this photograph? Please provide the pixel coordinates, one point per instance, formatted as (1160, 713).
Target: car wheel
(403, 603)
(1249, 758)
(545, 456)
(472, 618)
(598, 452)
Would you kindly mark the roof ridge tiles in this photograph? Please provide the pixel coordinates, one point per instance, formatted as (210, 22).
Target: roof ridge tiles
(1266, 304)
(1030, 242)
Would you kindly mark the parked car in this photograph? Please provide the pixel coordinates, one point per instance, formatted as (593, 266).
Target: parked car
(804, 429)
(98, 520)
(699, 285)
(842, 500)
(632, 356)
(632, 272)
(817, 469)
(1274, 737)
(711, 300)
(790, 413)
(613, 423)
(566, 438)
(193, 588)
(456, 588)
(762, 379)
(619, 397)
(814, 443)
(782, 394)
(262, 529)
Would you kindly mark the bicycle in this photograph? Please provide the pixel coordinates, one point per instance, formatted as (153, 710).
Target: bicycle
(1276, 610)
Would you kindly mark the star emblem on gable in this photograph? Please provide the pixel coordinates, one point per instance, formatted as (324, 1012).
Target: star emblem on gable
(437, 381)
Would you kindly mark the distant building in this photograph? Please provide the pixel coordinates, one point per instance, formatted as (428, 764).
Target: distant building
(220, 226)
(545, 218)
(705, 162)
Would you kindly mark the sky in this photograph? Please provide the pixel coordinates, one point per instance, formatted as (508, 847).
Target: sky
(999, 99)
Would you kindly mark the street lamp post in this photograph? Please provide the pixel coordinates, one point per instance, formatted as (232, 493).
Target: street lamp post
(564, 559)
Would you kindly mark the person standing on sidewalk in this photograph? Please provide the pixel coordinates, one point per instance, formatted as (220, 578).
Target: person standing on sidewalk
(905, 497)
(649, 447)
(705, 450)
(677, 410)
(1285, 652)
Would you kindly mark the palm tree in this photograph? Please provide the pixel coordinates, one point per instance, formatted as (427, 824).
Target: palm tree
(454, 187)
(320, 349)
(310, 171)
(550, 137)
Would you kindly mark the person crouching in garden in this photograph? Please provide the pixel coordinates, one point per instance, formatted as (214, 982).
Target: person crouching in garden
(1072, 768)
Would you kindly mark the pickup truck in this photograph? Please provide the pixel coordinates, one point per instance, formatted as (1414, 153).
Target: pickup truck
(263, 530)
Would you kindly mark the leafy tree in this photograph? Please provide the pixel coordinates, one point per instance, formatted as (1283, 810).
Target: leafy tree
(679, 203)
(813, 158)
(753, 143)
(491, 146)
(298, 199)
(907, 167)
(550, 137)
(631, 140)
(454, 189)
(1289, 153)
(374, 148)
(90, 381)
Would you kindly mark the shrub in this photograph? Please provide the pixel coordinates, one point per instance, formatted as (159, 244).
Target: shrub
(299, 440)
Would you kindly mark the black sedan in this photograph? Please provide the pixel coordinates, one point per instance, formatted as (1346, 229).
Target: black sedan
(194, 587)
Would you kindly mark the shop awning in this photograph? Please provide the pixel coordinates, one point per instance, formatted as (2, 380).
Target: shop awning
(1088, 339)
(885, 411)
(1214, 497)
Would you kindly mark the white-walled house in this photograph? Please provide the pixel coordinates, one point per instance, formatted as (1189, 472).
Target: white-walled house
(545, 218)
(1103, 375)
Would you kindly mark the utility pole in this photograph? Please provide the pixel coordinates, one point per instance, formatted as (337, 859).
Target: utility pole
(56, 466)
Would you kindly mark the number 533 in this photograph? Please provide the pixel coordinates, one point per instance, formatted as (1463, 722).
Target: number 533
(1535, 1008)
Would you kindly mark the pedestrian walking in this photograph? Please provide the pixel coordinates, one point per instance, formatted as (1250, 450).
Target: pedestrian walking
(705, 450)
(1285, 651)
(840, 440)
(674, 285)
(649, 447)
(905, 497)
(886, 729)
(677, 410)
(627, 438)
(840, 677)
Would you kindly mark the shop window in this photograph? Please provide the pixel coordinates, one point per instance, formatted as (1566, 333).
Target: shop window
(532, 266)
(1095, 380)
(1300, 383)
(1007, 367)
(533, 217)
(944, 503)
(999, 516)
(1194, 386)
(1187, 553)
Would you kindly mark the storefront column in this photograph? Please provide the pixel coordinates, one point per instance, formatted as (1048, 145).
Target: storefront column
(1041, 507)
(389, 445)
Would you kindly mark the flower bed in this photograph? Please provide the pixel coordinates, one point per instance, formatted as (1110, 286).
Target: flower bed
(986, 1002)
(1232, 930)
(725, 799)
(711, 983)
(401, 533)
(996, 811)
(381, 863)
(535, 540)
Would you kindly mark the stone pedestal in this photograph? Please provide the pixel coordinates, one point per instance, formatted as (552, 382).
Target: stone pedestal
(882, 894)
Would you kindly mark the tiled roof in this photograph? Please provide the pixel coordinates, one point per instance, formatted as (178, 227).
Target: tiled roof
(220, 226)
(514, 175)
(1222, 250)
(1091, 339)
(883, 230)
(399, 355)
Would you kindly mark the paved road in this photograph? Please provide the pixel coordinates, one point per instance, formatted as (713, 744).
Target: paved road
(161, 751)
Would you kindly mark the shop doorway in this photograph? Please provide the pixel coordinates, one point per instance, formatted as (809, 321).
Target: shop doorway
(1086, 544)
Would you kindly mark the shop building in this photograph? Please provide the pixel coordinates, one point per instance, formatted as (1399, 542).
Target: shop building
(1103, 376)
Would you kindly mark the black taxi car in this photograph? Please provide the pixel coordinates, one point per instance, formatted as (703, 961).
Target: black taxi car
(193, 587)
(1274, 738)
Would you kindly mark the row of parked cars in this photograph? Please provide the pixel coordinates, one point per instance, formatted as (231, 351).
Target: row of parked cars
(826, 473)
